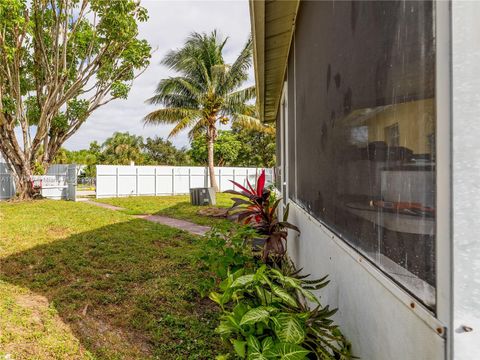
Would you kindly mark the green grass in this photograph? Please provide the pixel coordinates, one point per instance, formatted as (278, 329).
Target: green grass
(173, 206)
(82, 282)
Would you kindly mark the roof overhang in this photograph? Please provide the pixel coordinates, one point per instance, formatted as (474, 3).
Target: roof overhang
(273, 23)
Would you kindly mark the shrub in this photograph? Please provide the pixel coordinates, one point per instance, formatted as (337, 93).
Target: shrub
(258, 208)
(227, 250)
(266, 316)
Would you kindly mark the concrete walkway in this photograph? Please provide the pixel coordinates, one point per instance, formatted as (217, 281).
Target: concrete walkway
(177, 223)
(164, 220)
(102, 205)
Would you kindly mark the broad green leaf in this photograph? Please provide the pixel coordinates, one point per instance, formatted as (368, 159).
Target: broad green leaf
(284, 295)
(255, 315)
(268, 346)
(215, 297)
(243, 280)
(253, 344)
(289, 328)
(309, 295)
(258, 356)
(278, 274)
(239, 310)
(264, 295)
(288, 351)
(226, 296)
(225, 328)
(239, 347)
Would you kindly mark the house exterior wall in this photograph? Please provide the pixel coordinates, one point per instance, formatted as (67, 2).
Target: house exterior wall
(382, 320)
(466, 177)
(374, 313)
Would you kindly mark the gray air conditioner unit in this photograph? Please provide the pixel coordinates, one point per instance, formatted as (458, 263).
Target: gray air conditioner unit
(203, 196)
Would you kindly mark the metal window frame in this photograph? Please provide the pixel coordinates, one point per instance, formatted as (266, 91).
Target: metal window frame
(284, 141)
(444, 191)
(444, 218)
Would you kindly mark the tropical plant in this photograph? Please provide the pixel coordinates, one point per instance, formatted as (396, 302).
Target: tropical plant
(257, 207)
(227, 250)
(123, 149)
(60, 60)
(266, 316)
(206, 92)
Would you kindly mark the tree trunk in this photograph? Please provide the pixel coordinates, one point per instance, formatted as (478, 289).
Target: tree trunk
(23, 186)
(211, 135)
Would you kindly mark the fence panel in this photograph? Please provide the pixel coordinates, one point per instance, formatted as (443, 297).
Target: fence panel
(7, 187)
(117, 180)
(54, 184)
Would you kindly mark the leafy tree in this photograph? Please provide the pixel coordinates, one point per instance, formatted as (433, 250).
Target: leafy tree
(226, 149)
(63, 156)
(162, 152)
(258, 147)
(207, 91)
(88, 157)
(60, 60)
(122, 149)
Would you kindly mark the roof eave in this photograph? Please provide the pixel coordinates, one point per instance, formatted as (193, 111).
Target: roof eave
(273, 25)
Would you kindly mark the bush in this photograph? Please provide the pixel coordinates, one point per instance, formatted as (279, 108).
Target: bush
(266, 316)
(269, 310)
(227, 249)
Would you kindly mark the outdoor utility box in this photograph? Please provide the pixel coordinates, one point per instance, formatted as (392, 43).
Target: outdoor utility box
(203, 196)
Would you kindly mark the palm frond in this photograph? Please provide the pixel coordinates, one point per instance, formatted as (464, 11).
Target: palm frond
(170, 116)
(181, 125)
(252, 123)
(219, 74)
(174, 100)
(178, 86)
(239, 70)
(199, 128)
(240, 97)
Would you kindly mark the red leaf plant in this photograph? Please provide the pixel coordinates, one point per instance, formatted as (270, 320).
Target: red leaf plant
(258, 209)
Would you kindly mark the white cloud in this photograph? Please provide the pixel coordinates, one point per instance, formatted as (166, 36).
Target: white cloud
(169, 25)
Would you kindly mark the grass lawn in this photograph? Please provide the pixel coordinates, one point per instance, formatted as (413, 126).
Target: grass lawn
(174, 206)
(81, 282)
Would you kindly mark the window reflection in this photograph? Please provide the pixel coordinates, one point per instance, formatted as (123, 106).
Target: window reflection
(363, 144)
(387, 184)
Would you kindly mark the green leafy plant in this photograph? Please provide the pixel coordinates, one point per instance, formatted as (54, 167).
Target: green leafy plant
(257, 207)
(227, 250)
(266, 316)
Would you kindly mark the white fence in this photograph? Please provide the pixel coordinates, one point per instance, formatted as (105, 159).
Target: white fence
(115, 181)
(58, 183)
(7, 185)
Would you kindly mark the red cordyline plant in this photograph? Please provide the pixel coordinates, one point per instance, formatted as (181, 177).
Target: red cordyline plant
(258, 208)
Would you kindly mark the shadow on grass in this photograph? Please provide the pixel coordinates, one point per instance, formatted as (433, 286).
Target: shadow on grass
(126, 290)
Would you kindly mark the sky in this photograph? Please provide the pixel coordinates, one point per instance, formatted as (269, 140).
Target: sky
(169, 25)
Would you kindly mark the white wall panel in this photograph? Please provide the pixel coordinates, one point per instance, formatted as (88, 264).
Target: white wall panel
(381, 320)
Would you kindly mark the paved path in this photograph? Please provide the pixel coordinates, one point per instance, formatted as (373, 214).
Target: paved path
(105, 206)
(175, 223)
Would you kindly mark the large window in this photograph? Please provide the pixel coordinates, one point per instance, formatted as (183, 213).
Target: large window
(362, 80)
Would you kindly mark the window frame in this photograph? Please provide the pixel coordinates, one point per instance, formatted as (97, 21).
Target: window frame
(442, 317)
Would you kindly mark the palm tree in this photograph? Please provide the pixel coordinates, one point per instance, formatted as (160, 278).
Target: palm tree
(206, 92)
(123, 148)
